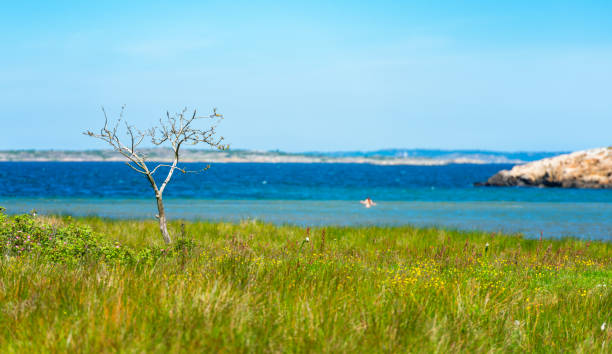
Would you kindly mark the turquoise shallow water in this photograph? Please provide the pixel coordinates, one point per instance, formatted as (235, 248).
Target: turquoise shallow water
(584, 219)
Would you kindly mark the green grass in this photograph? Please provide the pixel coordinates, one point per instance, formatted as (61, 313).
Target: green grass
(253, 287)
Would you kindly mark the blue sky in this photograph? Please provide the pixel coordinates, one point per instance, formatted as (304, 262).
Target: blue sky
(314, 75)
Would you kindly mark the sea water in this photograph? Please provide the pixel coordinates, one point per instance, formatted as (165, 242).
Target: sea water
(311, 194)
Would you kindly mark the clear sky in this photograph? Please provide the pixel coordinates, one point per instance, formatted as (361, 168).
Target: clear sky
(511, 75)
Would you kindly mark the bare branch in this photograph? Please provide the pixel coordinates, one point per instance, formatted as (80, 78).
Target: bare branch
(136, 168)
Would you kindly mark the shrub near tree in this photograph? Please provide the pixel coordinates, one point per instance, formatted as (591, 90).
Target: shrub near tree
(66, 242)
(23, 236)
(174, 131)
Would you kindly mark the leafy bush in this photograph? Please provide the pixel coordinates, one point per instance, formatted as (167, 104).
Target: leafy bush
(24, 235)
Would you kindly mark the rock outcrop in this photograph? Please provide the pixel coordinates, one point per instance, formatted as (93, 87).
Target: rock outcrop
(581, 169)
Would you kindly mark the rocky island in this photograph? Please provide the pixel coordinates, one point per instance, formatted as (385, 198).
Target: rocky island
(582, 169)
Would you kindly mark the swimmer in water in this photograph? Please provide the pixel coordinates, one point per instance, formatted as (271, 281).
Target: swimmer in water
(367, 202)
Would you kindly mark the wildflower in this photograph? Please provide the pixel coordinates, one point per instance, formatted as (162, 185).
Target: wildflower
(307, 239)
(603, 326)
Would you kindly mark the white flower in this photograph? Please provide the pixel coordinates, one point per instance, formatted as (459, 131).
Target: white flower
(487, 245)
(307, 239)
(603, 326)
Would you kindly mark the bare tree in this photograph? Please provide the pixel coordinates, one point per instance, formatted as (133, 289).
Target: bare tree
(175, 130)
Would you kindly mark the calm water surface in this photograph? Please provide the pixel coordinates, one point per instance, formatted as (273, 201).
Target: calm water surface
(312, 194)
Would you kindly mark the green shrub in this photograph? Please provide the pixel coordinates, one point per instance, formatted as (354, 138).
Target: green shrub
(25, 236)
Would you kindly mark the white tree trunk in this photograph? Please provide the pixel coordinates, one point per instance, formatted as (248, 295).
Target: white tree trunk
(163, 226)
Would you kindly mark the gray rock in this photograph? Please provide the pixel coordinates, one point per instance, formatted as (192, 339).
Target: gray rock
(581, 169)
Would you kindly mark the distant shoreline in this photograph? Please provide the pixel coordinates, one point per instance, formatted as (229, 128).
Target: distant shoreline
(391, 157)
(390, 162)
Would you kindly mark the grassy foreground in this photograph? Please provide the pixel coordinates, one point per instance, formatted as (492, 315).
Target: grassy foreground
(90, 285)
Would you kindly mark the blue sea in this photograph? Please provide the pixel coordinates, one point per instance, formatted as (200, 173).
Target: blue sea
(311, 194)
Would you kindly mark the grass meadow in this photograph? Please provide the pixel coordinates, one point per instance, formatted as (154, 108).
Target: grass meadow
(96, 285)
